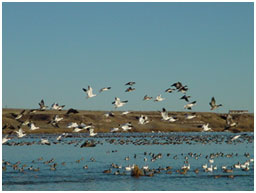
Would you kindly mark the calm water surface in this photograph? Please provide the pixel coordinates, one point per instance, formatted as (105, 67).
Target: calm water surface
(175, 148)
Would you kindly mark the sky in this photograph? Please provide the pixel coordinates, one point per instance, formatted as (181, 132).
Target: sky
(51, 51)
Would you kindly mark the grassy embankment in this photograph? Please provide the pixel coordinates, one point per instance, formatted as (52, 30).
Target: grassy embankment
(103, 124)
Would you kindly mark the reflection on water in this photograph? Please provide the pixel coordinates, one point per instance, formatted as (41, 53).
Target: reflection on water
(28, 165)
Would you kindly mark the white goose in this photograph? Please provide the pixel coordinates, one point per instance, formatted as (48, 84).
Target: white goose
(20, 133)
(190, 116)
(118, 103)
(56, 106)
(114, 130)
(5, 139)
(159, 98)
(165, 116)
(89, 92)
(45, 142)
(190, 105)
(72, 125)
(91, 131)
(206, 127)
(126, 126)
(32, 126)
(143, 120)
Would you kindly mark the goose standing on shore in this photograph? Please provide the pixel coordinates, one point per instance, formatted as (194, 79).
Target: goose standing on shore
(213, 104)
(89, 92)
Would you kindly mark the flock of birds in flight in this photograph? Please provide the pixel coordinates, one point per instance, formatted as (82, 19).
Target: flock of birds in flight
(117, 103)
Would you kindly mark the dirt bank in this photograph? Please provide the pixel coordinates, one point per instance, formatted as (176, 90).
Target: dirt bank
(104, 124)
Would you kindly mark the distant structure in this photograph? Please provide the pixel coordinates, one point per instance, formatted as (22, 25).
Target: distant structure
(238, 111)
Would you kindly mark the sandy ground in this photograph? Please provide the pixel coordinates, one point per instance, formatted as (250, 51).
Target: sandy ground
(104, 124)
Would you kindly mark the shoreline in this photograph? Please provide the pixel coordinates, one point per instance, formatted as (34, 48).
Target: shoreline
(103, 124)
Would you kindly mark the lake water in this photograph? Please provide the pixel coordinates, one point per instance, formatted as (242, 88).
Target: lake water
(137, 148)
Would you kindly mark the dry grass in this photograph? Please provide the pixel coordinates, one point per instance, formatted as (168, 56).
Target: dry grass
(103, 124)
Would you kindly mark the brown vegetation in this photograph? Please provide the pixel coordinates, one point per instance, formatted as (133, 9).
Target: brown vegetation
(104, 124)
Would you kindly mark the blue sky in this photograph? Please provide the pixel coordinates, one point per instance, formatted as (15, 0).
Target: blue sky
(53, 50)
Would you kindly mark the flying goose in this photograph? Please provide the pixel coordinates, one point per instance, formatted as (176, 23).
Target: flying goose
(130, 89)
(178, 85)
(84, 126)
(5, 139)
(118, 102)
(159, 98)
(18, 116)
(20, 133)
(72, 125)
(190, 105)
(169, 90)
(165, 116)
(143, 120)
(236, 137)
(114, 130)
(213, 104)
(193, 115)
(130, 83)
(126, 126)
(60, 136)
(55, 120)
(56, 106)
(72, 111)
(91, 131)
(146, 98)
(104, 89)
(45, 142)
(109, 114)
(183, 89)
(125, 113)
(42, 106)
(89, 92)
(185, 97)
(206, 127)
(32, 126)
